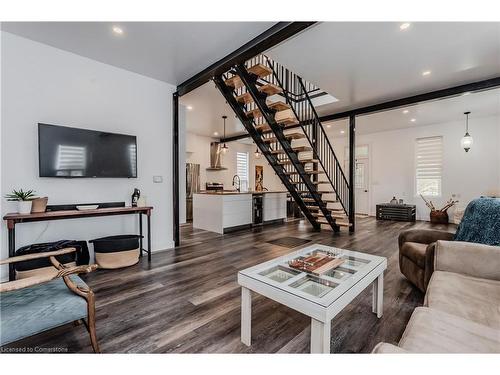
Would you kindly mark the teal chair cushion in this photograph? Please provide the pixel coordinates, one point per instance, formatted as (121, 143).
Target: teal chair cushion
(26, 312)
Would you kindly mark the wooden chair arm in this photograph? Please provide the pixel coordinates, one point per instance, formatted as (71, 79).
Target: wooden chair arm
(77, 270)
(22, 258)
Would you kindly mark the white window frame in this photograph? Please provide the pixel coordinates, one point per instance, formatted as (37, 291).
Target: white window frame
(438, 160)
(244, 177)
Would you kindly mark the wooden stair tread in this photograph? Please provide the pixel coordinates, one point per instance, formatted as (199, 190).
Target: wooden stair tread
(260, 70)
(270, 89)
(266, 127)
(339, 223)
(319, 192)
(317, 208)
(301, 182)
(324, 201)
(296, 149)
(286, 117)
(287, 136)
(307, 172)
(245, 98)
(286, 162)
(234, 82)
(278, 106)
(336, 217)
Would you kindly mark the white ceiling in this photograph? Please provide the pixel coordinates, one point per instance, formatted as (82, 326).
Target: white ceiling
(481, 104)
(168, 51)
(362, 63)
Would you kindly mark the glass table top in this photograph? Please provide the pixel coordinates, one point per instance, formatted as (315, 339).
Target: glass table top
(322, 286)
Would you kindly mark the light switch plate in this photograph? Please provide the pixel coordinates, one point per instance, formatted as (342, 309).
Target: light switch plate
(157, 179)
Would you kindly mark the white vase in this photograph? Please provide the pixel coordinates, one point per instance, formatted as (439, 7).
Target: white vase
(24, 207)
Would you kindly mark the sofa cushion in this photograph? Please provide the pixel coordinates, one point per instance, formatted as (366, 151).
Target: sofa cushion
(434, 331)
(465, 296)
(26, 312)
(415, 252)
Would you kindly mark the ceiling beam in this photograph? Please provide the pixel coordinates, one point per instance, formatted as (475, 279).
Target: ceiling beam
(487, 84)
(269, 38)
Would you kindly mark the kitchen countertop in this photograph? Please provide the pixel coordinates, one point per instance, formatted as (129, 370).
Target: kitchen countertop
(237, 193)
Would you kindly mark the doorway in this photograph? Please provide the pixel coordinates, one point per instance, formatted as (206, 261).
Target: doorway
(361, 178)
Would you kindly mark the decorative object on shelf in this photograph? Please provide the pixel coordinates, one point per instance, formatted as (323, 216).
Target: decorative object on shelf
(24, 199)
(393, 201)
(142, 202)
(439, 216)
(87, 207)
(259, 178)
(39, 204)
(467, 140)
(224, 149)
(135, 197)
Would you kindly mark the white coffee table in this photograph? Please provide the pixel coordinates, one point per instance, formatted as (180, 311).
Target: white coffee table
(319, 297)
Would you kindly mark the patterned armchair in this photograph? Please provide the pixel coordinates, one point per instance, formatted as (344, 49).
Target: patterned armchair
(39, 303)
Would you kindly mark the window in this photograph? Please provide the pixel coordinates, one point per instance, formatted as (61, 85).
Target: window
(242, 168)
(429, 165)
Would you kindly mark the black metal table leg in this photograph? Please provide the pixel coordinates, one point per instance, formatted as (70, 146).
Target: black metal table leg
(149, 236)
(140, 232)
(12, 249)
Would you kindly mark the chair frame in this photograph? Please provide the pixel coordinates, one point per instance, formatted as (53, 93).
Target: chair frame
(60, 271)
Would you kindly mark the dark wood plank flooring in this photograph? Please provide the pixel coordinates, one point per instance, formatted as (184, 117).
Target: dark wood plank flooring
(188, 301)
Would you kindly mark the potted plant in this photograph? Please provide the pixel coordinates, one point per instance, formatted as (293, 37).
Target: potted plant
(439, 216)
(24, 199)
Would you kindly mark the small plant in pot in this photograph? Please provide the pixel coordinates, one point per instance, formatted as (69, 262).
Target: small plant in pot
(24, 199)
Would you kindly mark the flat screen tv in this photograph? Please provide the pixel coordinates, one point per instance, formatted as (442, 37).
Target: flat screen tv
(71, 153)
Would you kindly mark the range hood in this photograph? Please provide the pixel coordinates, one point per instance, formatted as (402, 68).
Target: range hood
(215, 157)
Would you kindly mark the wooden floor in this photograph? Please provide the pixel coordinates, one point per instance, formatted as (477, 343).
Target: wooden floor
(187, 300)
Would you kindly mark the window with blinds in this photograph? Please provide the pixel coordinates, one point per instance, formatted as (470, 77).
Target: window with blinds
(429, 166)
(242, 168)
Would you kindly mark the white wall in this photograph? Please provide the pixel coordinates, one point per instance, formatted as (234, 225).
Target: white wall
(467, 175)
(198, 151)
(45, 84)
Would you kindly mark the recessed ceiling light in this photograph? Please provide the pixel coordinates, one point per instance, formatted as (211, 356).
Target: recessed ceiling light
(466, 93)
(426, 72)
(328, 126)
(342, 131)
(117, 30)
(404, 26)
(413, 120)
(189, 108)
(216, 134)
(405, 111)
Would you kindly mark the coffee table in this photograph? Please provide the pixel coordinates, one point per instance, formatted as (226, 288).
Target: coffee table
(319, 297)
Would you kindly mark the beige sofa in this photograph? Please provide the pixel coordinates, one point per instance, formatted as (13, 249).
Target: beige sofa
(461, 312)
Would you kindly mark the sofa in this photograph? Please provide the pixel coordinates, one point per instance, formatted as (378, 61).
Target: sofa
(480, 224)
(461, 311)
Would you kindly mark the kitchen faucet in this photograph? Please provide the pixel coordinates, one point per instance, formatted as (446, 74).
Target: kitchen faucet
(239, 182)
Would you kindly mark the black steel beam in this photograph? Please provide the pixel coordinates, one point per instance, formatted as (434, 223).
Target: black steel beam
(487, 84)
(352, 169)
(269, 38)
(175, 167)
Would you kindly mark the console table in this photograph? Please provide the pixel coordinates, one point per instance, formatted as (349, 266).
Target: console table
(14, 218)
(399, 212)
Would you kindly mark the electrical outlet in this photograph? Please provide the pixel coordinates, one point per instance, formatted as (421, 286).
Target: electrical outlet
(157, 179)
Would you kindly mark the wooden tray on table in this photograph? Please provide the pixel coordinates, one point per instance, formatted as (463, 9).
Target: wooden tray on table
(316, 264)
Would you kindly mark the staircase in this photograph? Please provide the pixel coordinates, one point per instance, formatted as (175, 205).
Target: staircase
(274, 105)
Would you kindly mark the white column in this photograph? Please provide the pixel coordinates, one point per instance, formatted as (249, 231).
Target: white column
(320, 336)
(246, 316)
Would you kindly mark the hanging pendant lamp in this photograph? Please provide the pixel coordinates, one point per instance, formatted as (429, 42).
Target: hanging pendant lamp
(224, 147)
(467, 140)
(257, 152)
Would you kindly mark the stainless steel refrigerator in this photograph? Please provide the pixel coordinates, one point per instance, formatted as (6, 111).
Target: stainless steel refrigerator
(192, 186)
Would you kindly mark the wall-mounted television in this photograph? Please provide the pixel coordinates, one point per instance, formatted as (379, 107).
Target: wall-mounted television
(74, 153)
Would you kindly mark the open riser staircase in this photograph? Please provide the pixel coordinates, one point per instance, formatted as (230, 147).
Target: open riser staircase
(274, 105)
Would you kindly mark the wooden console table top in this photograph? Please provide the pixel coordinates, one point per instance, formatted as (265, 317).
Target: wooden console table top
(68, 214)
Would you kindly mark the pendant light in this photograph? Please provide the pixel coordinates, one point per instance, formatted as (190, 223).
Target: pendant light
(224, 147)
(467, 140)
(257, 152)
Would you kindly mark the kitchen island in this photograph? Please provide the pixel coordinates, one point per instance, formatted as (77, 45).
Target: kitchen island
(227, 211)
